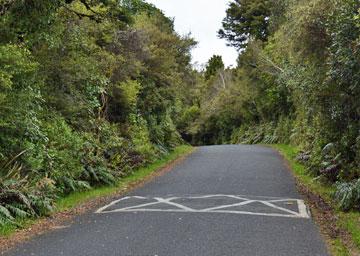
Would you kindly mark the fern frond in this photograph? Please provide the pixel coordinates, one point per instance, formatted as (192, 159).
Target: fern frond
(5, 213)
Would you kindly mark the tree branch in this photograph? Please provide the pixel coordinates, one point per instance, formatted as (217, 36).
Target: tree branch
(82, 15)
(6, 6)
(88, 7)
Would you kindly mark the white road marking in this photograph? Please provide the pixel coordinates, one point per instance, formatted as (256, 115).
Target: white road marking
(302, 210)
(138, 206)
(139, 197)
(168, 201)
(229, 205)
(282, 200)
(278, 207)
(217, 195)
(111, 204)
(201, 211)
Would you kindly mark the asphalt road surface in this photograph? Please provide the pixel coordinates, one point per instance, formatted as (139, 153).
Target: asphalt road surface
(222, 200)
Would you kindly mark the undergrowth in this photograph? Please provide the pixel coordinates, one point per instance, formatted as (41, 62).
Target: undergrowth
(348, 220)
(24, 206)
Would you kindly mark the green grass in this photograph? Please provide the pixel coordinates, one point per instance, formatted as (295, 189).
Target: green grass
(349, 221)
(77, 198)
(290, 153)
(137, 175)
(338, 248)
(8, 229)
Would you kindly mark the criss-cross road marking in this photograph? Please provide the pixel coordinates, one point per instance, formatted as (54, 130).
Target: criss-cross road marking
(233, 208)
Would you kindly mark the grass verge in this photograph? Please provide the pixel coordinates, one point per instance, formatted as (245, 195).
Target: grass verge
(136, 176)
(75, 199)
(345, 221)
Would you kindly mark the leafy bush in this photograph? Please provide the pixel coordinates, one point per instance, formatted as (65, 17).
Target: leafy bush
(348, 195)
(306, 93)
(19, 198)
(87, 99)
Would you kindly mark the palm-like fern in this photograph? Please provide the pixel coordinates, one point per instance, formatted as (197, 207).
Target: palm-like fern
(16, 199)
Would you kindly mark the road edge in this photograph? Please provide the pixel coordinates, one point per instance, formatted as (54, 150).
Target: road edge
(63, 217)
(338, 240)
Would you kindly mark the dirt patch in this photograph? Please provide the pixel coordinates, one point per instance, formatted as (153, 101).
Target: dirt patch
(325, 217)
(63, 219)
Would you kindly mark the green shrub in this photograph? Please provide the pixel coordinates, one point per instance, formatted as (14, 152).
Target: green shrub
(20, 197)
(348, 195)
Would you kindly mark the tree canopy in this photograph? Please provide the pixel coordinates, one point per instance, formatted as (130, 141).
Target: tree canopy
(92, 90)
(214, 64)
(297, 82)
(246, 20)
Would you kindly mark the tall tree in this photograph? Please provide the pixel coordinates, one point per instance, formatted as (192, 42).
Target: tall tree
(213, 66)
(246, 20)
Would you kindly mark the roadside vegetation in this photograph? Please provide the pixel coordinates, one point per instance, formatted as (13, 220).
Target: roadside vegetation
(90, 91)
(340, 243)
(297, 82)
(73, 200)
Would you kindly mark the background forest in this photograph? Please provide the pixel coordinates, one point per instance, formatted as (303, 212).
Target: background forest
(297, 82)
(90, 90)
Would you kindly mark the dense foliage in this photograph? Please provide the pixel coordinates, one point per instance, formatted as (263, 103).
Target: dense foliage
(246, 20)
(297, 81)
(90, 90)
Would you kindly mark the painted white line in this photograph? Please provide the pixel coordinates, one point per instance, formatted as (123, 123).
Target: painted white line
(282, 200)
(229, 205)
(139, 206)
(168, 201)
(278, 207)
(111, 204)
(243, 197)
(200, 211)
(212, 196)
(139, 197)
(302, 210)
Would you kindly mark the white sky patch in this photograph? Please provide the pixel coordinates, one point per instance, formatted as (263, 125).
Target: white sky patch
(201, 18)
